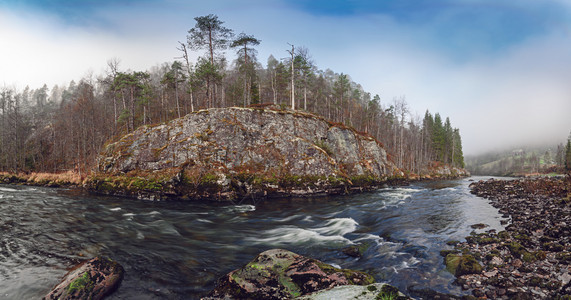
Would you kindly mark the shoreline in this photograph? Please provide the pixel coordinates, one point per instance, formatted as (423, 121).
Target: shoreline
(531, 258)
(148, 188)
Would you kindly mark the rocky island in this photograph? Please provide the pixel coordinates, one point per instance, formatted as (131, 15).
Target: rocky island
(233, 153)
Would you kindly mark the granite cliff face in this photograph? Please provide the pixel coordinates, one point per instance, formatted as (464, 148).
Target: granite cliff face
(229, 153)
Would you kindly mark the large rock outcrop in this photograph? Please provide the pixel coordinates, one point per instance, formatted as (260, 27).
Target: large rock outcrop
(229, 153)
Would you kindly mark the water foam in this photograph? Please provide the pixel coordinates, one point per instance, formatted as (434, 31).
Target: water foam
(337, 226)
(241, 208)
(3, 189)
(115, 209)
(332, 231)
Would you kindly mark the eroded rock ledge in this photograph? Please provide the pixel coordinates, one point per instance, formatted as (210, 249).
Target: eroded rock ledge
(233, 153)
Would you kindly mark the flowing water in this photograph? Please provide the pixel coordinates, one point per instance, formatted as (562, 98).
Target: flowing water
(177, 250)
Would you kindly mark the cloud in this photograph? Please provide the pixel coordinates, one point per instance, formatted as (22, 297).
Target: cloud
(42, 48)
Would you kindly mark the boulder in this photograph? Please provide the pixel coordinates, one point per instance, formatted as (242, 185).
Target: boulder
(281, 274)
(94, 279)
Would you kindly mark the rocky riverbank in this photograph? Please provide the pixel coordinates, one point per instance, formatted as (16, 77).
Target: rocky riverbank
(531, 258)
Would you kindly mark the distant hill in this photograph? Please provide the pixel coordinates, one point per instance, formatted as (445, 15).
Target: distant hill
(517, 161)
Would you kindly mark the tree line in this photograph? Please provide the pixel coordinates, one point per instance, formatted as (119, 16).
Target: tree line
(64, 128)
(541, 159)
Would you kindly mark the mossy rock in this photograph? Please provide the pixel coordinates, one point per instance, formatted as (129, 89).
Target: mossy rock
(356, 250)
(462, 264)
(479, 226)
(515, 248)
(445, 253)
(94, 279)
(452, 243)
(281, 274)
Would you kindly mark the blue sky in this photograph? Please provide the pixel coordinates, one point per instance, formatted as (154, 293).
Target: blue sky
(499, 69)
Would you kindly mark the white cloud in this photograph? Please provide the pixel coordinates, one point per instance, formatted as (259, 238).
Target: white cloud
(40, 49)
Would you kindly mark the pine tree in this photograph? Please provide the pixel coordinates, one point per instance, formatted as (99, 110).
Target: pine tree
(568, 156)
(438, 138)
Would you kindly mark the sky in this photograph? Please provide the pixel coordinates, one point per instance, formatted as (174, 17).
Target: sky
(499, 69)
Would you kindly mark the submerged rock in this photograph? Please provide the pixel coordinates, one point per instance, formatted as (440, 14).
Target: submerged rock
(281, 274)
(228, 153)
(94, 279)
(356, 250)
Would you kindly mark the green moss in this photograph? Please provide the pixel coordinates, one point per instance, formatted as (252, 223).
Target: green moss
(462, 264)
(146, 184)
(481, 239)
(503, 235)
(387, 292)
(522, 237)
(364, 180)
(445, 253)
(351, 275)
(81, 283)
(527, 257)
(515, 248)
(290, 286)
(209, 179)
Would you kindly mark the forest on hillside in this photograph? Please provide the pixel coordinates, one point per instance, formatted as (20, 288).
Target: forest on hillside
(64, 128)
(522, 161)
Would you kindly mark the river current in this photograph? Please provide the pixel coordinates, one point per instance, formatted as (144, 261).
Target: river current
(177, 250)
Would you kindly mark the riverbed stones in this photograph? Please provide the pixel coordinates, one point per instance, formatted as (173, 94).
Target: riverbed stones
(529, 260)
(94, 279)
(281, 274)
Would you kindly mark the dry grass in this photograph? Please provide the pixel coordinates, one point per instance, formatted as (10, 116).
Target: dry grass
(66, 178)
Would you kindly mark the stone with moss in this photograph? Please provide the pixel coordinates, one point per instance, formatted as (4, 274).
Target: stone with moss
(281, 274)
(94, 279)
(356, 250)
(462, 264)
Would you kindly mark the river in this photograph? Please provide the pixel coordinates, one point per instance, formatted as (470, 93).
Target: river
(177, 250)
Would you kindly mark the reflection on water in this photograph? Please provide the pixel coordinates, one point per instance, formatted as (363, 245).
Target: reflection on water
(177, 250)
